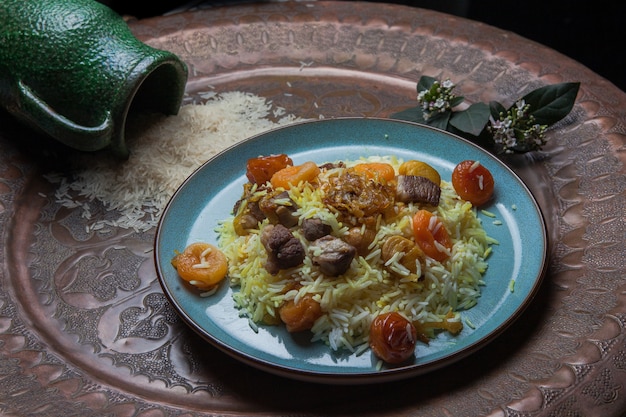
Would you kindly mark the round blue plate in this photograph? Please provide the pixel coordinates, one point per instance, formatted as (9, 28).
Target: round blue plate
(516, 266)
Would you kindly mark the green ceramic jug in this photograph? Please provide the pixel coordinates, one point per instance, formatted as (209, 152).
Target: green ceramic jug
(73, 69)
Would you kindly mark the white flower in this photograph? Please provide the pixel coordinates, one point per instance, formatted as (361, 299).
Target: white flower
(436, 99)
(447, 84)
(516, 130)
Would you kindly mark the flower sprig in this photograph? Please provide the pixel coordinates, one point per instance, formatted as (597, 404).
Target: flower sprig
(517, 129)
(438, 98)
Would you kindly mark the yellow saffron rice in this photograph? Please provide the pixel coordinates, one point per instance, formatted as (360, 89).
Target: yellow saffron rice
(351, 301)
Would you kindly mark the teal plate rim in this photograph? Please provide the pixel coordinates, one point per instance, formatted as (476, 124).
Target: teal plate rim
(209, 193)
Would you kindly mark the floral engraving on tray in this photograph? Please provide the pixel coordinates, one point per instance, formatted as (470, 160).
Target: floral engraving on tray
(152, 321)
(568, 358)
(102, 292)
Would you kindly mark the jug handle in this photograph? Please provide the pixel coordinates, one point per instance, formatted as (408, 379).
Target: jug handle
(86, 138)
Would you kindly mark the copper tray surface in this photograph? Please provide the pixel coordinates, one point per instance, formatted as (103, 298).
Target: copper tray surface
(86, 330)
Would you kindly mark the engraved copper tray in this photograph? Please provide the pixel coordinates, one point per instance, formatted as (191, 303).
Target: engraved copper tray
(86, 330)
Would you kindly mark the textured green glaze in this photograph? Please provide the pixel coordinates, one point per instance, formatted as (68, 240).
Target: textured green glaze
(73, 69)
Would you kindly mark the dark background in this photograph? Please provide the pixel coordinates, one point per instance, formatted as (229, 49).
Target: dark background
(588, 31)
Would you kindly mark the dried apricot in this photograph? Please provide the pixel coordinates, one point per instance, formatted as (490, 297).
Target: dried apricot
(293, 175)
(392, 337)
(201, 264)
(473, 182)
(420, 169)
(376, 170)
(301, 315)
(431, 235)
(260, 170)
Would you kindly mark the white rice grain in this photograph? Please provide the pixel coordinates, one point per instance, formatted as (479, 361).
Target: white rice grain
(164, 151)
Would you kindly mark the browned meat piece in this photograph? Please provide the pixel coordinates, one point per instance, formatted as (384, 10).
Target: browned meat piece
(279, 209)
(285, 216)
(243, 222)
(315, 229)
(332, 255)
(248, 195)
(254, 209)
(416, 189)
(284, 250)
(247, 211)
(331, 165)
(248, 218)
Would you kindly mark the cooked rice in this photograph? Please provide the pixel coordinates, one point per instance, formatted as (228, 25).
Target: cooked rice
(351, 301)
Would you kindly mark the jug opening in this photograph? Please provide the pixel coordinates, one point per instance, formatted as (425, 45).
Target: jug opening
(159, 92)
(158, 88)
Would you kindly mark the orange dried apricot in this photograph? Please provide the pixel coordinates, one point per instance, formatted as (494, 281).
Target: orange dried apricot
(201, 264)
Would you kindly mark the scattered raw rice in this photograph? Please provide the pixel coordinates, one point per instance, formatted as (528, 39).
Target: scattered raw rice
(164, 152)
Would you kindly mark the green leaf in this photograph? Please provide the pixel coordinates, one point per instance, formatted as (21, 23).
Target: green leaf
(456, 101)
(425, 83)
(414, 114)
(551, 103)
(440, 121)
(471, 120)
(496, 109)
(547, 105)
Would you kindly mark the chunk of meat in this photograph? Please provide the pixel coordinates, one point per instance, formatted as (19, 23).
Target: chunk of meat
(332, 165)
(247, 211)
(417, 189)
(284, 250)
(332, 255)
(279, 208)
(245, 221)
(314, 229)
